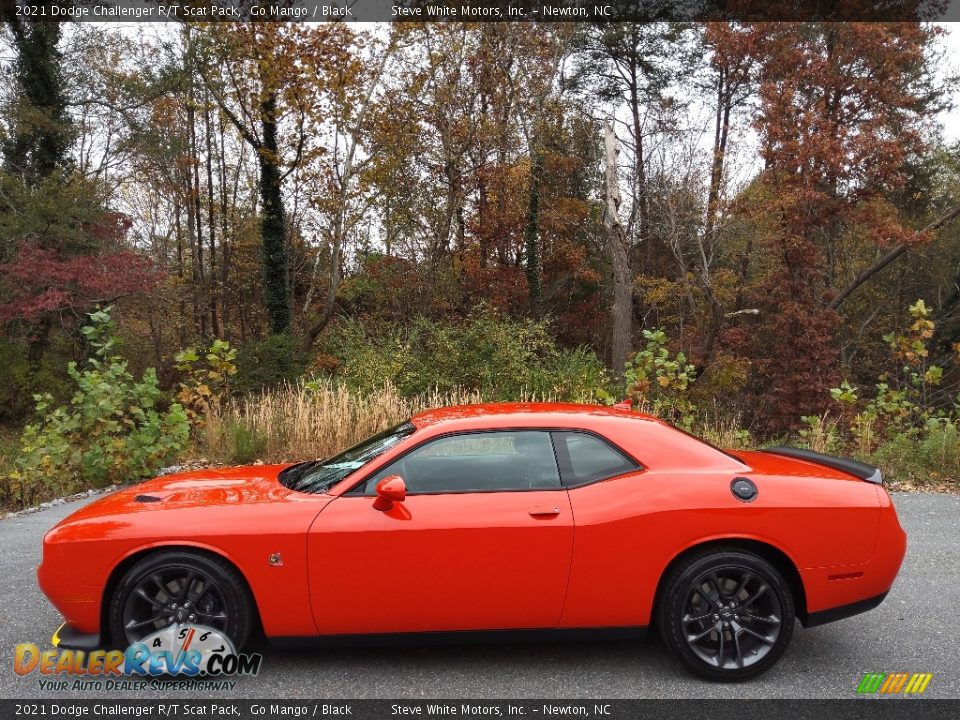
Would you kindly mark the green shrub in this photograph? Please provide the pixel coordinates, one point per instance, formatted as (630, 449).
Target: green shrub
(267, 363)
(205, 382)
(820, 433)
(906, 399)
(502, 358)
(658, 381)
(923, 455)
(246, 444)
(20, 379)
(112, 430)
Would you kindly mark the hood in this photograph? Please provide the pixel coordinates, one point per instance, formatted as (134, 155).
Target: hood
(201, 488)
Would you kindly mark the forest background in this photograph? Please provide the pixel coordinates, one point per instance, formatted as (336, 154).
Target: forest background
(259, 242)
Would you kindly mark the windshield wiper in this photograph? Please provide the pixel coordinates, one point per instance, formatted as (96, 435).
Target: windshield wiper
(291, 476)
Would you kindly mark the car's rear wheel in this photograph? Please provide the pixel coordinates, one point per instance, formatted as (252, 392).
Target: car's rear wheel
(726, 613)
(180, 588)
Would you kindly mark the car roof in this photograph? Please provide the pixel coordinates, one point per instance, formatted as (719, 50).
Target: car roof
(483, 413)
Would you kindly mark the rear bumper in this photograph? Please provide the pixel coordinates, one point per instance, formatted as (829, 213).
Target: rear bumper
(822, 617)
(838, 592)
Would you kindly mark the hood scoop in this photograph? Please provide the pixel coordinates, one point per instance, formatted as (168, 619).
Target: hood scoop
(147, 499)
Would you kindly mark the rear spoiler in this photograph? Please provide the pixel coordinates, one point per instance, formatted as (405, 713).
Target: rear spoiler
(854, 467)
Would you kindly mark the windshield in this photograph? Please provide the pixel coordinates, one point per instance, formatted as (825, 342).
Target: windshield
(319, 476)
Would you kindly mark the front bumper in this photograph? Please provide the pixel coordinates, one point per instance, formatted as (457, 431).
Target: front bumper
(77, 602)
(69, 638)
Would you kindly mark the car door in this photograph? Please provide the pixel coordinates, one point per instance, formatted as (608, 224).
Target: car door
(482, 541)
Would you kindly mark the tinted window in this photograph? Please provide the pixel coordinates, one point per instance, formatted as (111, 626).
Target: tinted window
(477, 462)
(589, 458)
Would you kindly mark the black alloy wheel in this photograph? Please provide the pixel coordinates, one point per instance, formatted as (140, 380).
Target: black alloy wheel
(178, 588)
(727, 613)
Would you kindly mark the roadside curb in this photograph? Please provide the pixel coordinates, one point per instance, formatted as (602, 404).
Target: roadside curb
(58, 501)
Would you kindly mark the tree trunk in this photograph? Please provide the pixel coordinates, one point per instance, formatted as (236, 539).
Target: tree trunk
(276, 292)
(640, 211)
(211, 228)
(722, 131)
(621, 311)
(196, 216)
(181, 274)
(224, 237)
(532, 232)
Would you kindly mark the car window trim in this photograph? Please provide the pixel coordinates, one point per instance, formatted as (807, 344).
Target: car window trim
(457, 433)
(639, 467)
(566, 467)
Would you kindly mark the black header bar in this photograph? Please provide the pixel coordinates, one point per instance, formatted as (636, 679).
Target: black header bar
(486, 10)
(179, 708)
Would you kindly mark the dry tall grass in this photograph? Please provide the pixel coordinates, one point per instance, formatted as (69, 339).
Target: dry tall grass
(722, 432)
(298, 422)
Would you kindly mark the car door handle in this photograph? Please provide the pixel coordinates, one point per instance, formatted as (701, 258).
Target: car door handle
(544, 511)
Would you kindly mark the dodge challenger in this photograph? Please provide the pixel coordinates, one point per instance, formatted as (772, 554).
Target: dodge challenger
(510, 520)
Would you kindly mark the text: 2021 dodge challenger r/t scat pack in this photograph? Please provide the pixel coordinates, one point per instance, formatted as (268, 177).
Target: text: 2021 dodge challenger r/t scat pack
(515, 517)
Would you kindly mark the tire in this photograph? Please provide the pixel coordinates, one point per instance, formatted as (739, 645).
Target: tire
(726, 613)
(220, 596)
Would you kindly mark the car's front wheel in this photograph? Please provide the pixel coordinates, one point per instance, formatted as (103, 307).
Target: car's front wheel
(180, 588)
(726, 613)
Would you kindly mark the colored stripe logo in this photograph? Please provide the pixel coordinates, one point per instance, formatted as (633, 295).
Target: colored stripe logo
(894, 683)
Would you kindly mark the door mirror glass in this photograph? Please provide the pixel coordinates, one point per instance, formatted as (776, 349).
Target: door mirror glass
(390, 490)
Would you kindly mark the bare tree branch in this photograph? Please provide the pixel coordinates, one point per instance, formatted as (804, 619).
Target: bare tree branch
(889, 258)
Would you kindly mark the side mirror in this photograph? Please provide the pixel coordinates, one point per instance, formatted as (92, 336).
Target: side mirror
(390, 490)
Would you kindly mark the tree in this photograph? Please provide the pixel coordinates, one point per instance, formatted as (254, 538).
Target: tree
(268, 79)
(40, 130)
(633, 65)
(733, 77)
(842, 108)
(350, 103)
(63, 247)
(621, 311)
(541, 90)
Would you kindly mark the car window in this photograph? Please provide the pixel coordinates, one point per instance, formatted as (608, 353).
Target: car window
(476, 462)
(586, 458)
(320, 476)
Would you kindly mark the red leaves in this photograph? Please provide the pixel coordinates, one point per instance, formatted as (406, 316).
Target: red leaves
(39, 281)
(842, 106)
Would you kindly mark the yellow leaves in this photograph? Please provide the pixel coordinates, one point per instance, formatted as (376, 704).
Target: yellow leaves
(919, 309)
(640, 387)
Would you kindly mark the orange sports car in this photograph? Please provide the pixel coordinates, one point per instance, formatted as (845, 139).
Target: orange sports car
(513, 519)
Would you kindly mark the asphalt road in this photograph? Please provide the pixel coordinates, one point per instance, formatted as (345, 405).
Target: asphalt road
(914, 630)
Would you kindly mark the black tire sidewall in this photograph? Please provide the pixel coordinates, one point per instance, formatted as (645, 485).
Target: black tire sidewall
(235, 594)
(670, 610)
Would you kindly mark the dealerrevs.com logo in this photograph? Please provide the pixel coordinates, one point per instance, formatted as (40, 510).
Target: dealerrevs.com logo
(180, 651)
(899, 683)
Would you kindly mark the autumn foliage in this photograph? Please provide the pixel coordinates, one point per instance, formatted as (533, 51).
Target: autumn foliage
(841, 110)
(336, 202)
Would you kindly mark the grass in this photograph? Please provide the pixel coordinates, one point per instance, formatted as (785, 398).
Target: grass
(927, 461)
(298, 422)
(9, 446)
